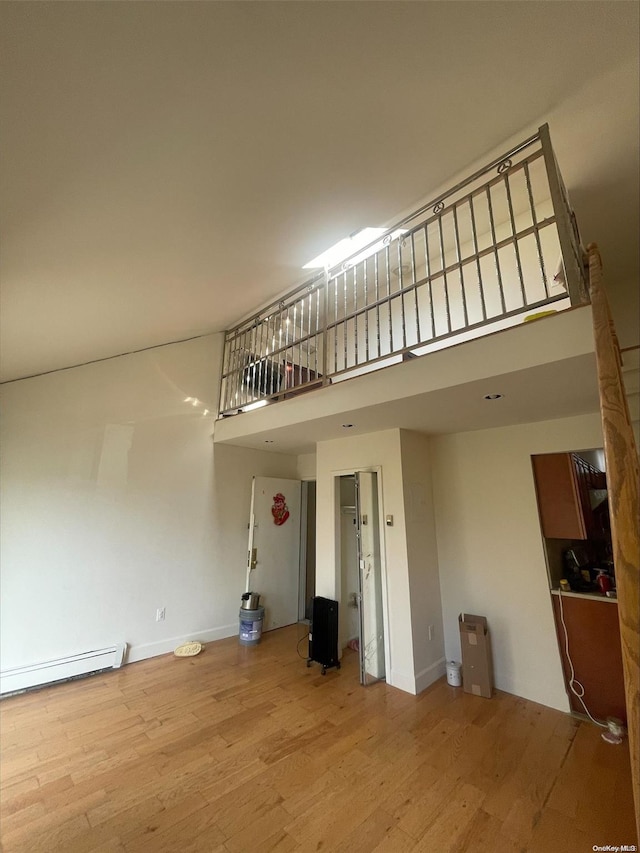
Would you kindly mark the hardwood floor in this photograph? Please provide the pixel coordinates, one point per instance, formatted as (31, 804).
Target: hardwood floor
(243, 749)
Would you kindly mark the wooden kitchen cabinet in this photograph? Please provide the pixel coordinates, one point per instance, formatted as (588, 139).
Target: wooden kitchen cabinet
(563, 482)
(593, 637)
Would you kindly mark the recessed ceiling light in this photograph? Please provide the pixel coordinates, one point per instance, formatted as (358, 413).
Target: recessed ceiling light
(493, 396)
(347, 426)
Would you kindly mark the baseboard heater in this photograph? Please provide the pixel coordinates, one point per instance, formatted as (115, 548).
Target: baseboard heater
(47, 672)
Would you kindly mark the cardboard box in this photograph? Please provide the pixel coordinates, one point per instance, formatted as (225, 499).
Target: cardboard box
(477, 668)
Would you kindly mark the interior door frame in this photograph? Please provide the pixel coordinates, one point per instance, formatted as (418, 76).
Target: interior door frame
(302, 579)
(362, 609)
(252, 540)
(252, 526)
(350, 472)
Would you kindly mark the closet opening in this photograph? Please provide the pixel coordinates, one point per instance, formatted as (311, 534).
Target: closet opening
(361, 617)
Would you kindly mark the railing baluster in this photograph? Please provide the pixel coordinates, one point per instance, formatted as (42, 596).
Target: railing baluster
(257, 352)
(534, 219)
(377, 292)
(317, 330)
(301, 380)
(495, 251)
(514, 231)
(268, 360)
(344, 318)
(298, 308)
(366, 313)
(459, 259)
(335, 328)
(252, 353)
(240, 369)
(308, 334)
(444, 275)
(355, 311)
(388, 274)
(428, 271)
(224, 384)
(289, 358)
(476, 253)
(415, 289)
(401, 283)
(236, 373)
(244, 371)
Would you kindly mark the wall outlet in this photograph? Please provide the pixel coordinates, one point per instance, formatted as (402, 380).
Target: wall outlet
(431, 632)
(160, 614)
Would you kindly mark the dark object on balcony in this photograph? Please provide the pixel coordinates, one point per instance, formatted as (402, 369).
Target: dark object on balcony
(261, 376)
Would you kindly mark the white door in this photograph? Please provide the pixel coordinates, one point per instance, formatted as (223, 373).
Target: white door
(273, 568)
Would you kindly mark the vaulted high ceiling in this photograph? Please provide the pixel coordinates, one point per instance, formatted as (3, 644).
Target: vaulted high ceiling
(167, 167)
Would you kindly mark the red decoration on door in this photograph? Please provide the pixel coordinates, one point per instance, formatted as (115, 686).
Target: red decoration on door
(279, 510)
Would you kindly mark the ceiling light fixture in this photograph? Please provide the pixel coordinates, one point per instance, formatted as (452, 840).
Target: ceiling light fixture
(347, 426)
(348, 246)
(493, 396)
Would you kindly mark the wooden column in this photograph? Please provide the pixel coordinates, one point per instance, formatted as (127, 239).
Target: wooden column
(622, 479)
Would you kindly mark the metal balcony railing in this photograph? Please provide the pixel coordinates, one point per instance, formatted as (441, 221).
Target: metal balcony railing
(499, 245)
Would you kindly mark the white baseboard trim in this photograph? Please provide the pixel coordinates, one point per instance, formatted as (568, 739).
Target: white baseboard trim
(40, 673)
(143, 651)
(415, 684)
(432, 673)
(49, 672)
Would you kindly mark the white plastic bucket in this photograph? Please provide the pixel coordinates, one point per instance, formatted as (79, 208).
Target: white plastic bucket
(250, 631)
(454, 674)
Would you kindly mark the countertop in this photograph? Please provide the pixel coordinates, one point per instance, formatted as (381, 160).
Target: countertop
(598, 596)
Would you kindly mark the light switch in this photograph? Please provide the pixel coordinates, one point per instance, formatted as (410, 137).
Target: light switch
(389, 521)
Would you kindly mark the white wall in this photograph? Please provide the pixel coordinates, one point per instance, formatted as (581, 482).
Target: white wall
(114, 504)
(490, 547)
(306, 467)
(422, 554)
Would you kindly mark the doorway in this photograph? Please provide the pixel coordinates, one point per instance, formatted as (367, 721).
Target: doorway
(362, 623)
(307, 584)
(273, 553)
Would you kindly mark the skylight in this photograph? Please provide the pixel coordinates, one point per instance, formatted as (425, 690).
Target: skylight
(348, 246)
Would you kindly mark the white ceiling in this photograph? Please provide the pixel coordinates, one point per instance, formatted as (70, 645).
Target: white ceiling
(167, 167)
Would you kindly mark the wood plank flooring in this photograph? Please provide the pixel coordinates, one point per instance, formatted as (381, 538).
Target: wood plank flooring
(245, 748)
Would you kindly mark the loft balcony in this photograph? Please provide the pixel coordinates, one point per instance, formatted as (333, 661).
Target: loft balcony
(493, 252)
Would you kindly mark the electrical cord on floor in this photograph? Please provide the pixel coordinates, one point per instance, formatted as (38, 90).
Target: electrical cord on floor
(578, 690)
(301, 640)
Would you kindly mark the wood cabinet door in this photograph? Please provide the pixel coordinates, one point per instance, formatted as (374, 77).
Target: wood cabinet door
(559, 503)
(593, 635)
